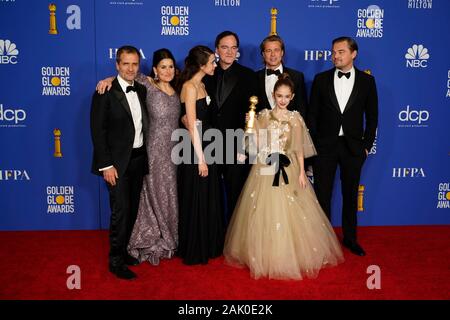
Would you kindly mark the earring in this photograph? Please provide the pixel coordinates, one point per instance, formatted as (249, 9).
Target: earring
(156, 76)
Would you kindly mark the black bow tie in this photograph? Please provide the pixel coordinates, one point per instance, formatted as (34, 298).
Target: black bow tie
(347, 75)
(131, 88)
(275, 72)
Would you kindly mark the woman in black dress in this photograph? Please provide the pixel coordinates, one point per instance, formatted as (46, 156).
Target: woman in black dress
(200, 200)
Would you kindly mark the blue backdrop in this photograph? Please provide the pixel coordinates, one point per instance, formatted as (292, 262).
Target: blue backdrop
(48, 71)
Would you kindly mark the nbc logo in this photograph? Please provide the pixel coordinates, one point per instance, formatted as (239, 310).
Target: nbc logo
(175, 20)
(8, 52)
(417, 57)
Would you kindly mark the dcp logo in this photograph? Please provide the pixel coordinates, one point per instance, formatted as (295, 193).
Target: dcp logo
(8, 52)
(12, 115)
(409, 115)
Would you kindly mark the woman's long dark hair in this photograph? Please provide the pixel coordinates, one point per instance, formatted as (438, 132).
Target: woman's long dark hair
(162, 54)
(198, 56)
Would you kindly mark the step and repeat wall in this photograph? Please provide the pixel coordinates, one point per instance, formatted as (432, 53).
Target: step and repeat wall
(53, 53)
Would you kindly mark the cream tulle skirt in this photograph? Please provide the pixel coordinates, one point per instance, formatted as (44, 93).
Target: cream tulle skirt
(280, 232)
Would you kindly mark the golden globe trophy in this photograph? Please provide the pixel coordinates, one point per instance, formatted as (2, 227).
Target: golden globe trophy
(250, 125)
(52, 8)
(273, 21)
(57, 136)
(361, 197)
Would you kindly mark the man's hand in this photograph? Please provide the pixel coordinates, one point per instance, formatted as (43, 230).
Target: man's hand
(110, 175)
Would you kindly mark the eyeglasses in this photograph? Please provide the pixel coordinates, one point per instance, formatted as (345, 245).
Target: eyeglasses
(226, 48)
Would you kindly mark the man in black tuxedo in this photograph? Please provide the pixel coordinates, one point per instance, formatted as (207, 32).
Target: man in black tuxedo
(272, 50)
(340, 99)
(119, 124)
(230, 88)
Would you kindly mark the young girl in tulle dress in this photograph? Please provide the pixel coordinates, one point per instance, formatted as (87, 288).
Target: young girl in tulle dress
(278, 228)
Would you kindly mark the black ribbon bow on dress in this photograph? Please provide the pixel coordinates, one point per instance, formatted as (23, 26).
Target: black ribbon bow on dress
(280, 161)
(347, 75)
(131, 88)
(275, 72)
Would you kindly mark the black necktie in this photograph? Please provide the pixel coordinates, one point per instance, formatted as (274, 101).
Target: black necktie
(131, 88)
(347, 75)
(275, 72)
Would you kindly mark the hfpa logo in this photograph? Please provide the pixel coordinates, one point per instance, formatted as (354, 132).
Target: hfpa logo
(408, 173)
(14, 175)
(317, 55)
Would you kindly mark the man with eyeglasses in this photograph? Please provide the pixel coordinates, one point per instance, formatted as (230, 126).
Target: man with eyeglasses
(230, 88)
(272, 51)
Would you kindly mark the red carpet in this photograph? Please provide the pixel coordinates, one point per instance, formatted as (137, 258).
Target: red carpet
(414, 263)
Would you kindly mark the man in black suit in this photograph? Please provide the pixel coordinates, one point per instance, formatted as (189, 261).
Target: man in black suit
(118, 130)
(272, 50)
(340, 99)
(230, 88)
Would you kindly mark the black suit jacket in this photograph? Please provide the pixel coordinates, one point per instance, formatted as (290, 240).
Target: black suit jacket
(325, 117)
(300, 101)
(112, 128)
(229, 113)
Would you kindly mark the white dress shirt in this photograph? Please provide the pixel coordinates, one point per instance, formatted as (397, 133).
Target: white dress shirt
(135, 107)
(343, 88)
(270, 84)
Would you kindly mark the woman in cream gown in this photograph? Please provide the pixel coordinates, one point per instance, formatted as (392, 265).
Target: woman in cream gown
(278, 228)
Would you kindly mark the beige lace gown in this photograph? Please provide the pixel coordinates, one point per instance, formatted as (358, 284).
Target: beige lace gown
(280, 232)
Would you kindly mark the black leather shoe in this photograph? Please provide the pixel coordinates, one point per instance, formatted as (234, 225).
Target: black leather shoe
(122, 272)
(355, 248)
(131, 261)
